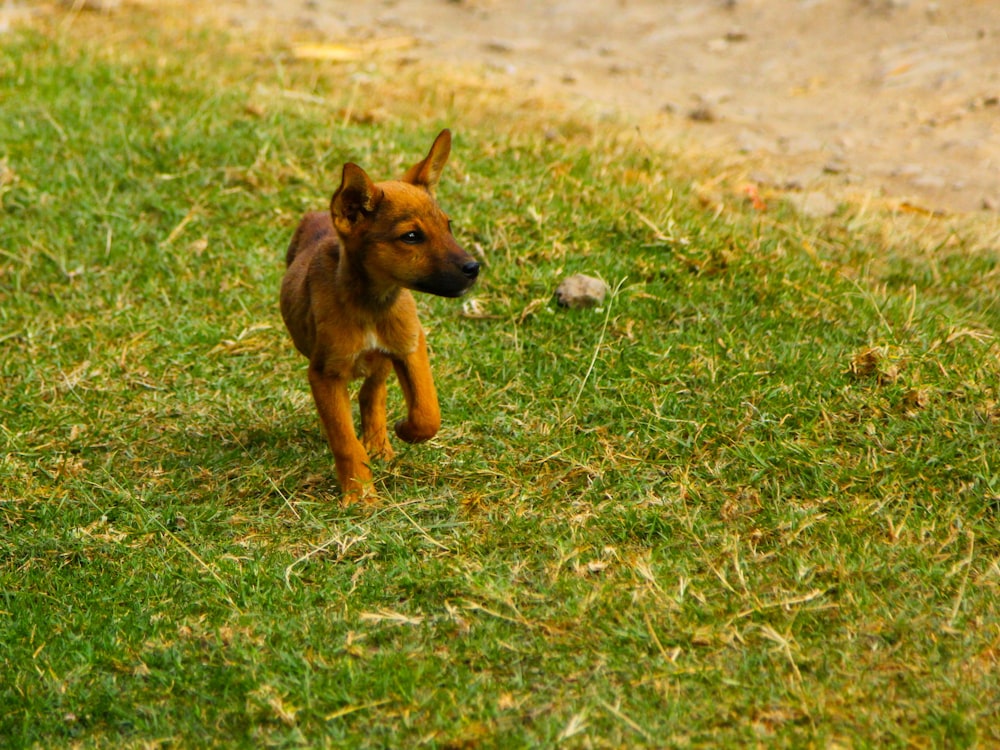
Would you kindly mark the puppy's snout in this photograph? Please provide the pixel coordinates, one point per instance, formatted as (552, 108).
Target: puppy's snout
(471, 270)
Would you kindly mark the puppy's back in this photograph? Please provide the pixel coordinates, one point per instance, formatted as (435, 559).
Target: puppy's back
(314, 243)
(315, 228)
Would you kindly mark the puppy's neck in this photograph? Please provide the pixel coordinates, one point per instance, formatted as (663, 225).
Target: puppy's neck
(365, 290)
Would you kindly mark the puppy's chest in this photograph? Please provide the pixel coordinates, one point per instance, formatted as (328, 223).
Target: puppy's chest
(372, 343)
(374, 347)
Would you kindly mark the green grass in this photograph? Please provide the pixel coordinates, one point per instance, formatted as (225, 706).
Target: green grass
(751, 501)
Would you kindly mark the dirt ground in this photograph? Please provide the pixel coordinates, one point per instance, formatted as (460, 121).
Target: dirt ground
(890, 98)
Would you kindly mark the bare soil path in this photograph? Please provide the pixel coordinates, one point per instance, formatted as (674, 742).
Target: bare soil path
(892, 98)
(900, 98)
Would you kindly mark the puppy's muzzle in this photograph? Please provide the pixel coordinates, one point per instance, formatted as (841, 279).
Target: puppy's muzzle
(453, 280)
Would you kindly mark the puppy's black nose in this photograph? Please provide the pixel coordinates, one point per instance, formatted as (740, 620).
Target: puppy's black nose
(471, 269)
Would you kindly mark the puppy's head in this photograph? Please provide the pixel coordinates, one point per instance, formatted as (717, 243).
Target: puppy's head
(396, 231)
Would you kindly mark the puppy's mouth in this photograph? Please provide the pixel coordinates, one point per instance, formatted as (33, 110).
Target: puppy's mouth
(451, 283)
(444, 286)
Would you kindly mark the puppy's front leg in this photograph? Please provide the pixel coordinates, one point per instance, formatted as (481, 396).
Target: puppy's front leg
(423, 414)
(334, 406)
(371, 399)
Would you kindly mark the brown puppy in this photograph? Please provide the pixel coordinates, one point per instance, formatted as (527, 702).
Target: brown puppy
(345, 302)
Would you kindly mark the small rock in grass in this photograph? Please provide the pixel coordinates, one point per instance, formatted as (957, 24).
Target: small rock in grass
(581, 290)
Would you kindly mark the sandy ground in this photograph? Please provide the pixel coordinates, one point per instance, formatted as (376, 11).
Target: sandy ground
(892, 98)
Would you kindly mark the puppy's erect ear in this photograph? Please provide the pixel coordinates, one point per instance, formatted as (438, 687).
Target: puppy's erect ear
(356, 197)
(427, 173)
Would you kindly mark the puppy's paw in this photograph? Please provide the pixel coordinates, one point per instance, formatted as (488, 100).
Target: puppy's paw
(360, 492)
(416, 432)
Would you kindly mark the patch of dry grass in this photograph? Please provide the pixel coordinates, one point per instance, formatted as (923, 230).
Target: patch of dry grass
(752, 500)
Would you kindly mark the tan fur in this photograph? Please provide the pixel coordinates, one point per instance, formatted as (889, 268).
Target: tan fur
(346, 304)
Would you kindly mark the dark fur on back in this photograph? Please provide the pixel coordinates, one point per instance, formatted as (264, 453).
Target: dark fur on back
(315, 227)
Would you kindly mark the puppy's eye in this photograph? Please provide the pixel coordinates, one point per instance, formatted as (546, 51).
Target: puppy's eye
(414, 237)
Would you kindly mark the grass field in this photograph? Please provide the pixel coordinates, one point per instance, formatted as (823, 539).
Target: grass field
(752, 500)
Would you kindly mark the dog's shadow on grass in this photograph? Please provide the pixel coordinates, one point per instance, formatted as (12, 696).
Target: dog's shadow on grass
(217, 462)
(266, 464)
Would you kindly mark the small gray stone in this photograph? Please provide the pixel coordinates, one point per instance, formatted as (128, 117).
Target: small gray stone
(581, 290)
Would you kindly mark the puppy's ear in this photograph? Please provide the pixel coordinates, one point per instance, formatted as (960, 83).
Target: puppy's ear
(427, 173)
(356, 198)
